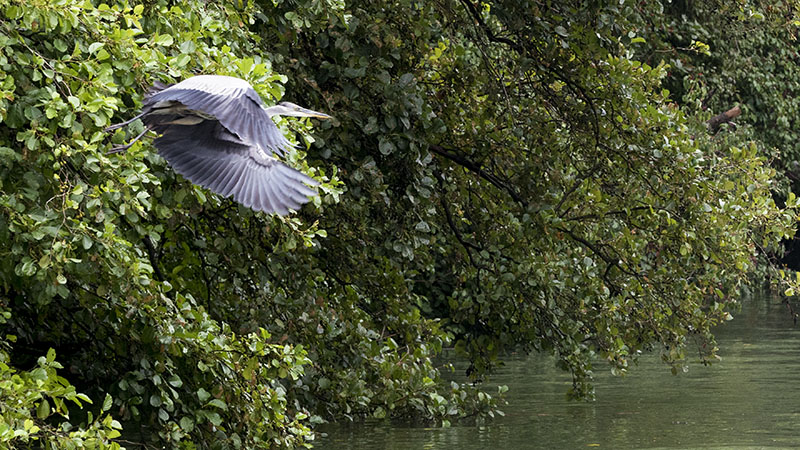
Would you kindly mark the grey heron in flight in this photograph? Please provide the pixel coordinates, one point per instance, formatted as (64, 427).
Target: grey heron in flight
(216, 132)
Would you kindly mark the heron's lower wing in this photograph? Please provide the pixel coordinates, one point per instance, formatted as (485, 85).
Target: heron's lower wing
(234, 107)
(252, 177)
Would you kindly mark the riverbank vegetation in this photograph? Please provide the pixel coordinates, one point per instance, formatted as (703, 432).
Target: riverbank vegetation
(510, 176)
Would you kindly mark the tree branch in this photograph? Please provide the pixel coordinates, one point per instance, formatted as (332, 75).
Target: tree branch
(715, 122)
(488, 176)
(476, 15)
(467, 245)
(153, 256)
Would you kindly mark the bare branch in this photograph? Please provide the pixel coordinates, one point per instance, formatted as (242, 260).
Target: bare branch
(488, 176)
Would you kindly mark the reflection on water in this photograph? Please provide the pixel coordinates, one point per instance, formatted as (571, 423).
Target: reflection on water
(748, 400)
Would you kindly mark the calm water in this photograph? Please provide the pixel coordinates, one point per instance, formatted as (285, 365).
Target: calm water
(750, 399)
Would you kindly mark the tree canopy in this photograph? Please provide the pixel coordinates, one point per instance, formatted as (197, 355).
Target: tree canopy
(499, 176)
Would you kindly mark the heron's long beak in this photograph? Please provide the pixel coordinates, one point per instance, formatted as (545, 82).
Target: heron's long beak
(303, 112)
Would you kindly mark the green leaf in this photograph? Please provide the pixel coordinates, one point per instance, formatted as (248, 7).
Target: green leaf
(218, 403)
(39, 374)
(182, 60)
(164, 40)
(14, 12)
(188, 47)
(155, 400)
(214, 418)
(95, 46)
(386, 147)
(43, 410)
(175, 381)
(203, 395)
(107, 402)
(186, 424)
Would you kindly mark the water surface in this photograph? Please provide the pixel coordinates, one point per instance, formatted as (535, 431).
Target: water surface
(750, 399)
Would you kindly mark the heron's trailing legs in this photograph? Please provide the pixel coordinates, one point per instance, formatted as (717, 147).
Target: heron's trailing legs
(120, 125)
(122, 148)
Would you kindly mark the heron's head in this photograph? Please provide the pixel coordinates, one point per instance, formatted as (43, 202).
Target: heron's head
(290, 109)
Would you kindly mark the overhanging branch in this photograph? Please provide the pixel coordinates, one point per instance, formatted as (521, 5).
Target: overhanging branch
(488, 176)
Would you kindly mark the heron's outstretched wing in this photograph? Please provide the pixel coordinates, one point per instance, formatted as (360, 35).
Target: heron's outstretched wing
(230, 100)
(157, 87)
(208, 155)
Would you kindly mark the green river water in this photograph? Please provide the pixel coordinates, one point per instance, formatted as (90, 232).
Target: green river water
(749, 399)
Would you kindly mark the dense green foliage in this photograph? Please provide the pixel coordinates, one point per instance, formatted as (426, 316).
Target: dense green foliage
(724, 54)
(498, 177)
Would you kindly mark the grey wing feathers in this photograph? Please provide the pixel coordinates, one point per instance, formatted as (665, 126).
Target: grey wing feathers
(157, 87)
(228, 168)
(231, 101)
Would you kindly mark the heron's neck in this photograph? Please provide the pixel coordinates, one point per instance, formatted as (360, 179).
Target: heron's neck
(273, 111)
(277, 110)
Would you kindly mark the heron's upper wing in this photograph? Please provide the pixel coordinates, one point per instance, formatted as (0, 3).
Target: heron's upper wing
(233, 102)
(157, 87)
(208, 155)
